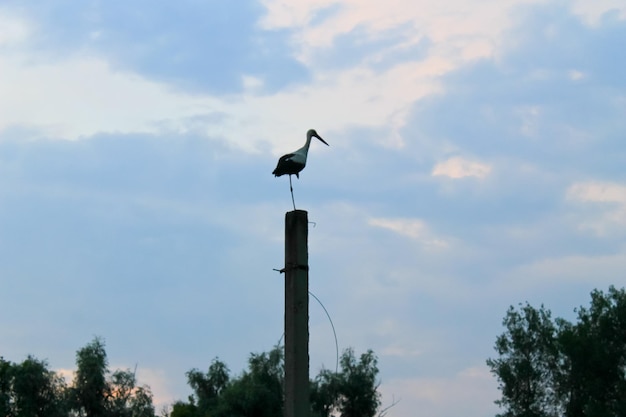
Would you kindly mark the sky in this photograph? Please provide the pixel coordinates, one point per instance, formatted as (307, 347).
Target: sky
(476, 161)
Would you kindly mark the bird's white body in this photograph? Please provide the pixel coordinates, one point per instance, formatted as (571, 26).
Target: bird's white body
(299, 156)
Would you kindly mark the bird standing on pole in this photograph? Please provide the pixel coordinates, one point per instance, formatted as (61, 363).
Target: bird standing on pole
(293, 163)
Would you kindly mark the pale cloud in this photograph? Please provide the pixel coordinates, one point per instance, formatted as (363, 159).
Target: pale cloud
(576, 75)
(457, 167)
(83, 96)
(284, 14)
(400, 351)
(529, 119)
(473, 389)
(13, 29)
(338, 100)
(157, 380)
(593, 11)
(594, 271)
(459, 28)
(458, 32)
(66, 374)
(413, 228)
(608, 217)
(251, 83)
(598, 192)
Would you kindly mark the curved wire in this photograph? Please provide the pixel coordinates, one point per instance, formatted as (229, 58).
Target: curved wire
(334, 333)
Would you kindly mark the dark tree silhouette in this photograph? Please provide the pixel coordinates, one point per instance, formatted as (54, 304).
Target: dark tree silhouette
(556, 368)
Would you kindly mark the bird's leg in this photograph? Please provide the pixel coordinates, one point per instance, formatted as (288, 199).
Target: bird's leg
(291, 188)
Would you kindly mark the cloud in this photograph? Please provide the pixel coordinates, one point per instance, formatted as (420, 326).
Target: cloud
(594, 12)
(473, 390)
(597, 192)
(13, 29)
(189, 45)
(608, 216)
(458, 29)
(92, 93)
(400, 351)
(84, 96)
(413, 228)
(66, 374)
(457, 167)
(571, 271)
(159, 384)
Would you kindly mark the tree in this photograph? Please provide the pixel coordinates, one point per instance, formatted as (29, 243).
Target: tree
(358, 386)
(594, 357)
(526, 365)
(325, 390)
(208, 387)
(126, 398)
(183, 409)
(5, 387)
(93, 395)
(550, 368)
(141, 404)
(30, 389)
(353, 392)
(258, 391)
(90, 389)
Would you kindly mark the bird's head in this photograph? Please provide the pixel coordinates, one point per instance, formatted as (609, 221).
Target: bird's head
(313, 134)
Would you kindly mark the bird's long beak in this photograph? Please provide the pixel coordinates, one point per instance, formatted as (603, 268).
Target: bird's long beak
(323, 141)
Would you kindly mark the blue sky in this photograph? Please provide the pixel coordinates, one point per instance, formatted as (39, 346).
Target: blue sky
(476, 160)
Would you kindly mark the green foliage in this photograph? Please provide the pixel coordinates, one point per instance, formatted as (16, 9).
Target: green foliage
(258, 391)
(527, 361)
(126, 399)
(358, 387)
(93, 395)
(325, 392)
(554, 368)
(30, 389)
(594, 351)
(90, 390)
(352, 392)
(207, 387)
(5, 387)
(182, 409)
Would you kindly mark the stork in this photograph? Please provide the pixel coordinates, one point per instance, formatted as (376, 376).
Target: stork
(294, 162)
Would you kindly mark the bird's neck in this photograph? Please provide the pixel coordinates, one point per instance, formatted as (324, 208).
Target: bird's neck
(305, 148)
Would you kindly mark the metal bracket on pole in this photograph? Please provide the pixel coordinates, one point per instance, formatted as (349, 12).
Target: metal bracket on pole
(291, 268)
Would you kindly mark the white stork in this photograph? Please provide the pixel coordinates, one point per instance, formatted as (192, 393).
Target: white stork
(294, 162)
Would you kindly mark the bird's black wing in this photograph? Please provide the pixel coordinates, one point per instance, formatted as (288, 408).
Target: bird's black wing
(287, 166)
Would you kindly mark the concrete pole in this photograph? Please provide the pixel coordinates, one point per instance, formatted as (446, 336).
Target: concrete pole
(296, 315)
